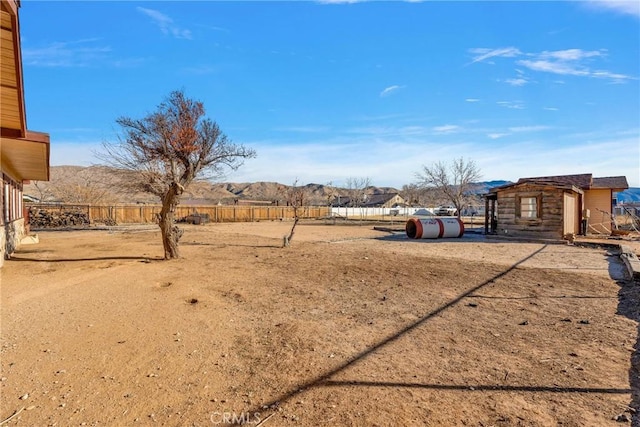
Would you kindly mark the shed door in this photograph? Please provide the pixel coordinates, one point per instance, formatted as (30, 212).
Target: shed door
(571, 223)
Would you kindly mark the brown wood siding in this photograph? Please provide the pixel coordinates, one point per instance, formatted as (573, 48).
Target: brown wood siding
(598, 201)
(551, 212)
(11, 96)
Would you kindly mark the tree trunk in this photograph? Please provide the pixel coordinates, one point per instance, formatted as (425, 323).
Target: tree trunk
(170, 233)
(287, 239)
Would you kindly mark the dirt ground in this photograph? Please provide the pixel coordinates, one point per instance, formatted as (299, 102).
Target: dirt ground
(348, 327)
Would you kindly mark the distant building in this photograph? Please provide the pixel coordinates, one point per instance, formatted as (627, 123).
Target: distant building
(385, 200)
(553, 206)
(24, 154)
(30, 199)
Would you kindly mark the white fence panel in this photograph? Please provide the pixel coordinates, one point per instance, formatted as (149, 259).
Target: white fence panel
(376, 212)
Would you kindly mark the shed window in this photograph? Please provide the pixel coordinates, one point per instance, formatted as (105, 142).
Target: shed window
(529, 207)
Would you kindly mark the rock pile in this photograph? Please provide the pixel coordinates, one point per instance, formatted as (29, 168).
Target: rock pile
(57, 218)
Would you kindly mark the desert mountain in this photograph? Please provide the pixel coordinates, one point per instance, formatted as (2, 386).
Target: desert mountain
(96, 185)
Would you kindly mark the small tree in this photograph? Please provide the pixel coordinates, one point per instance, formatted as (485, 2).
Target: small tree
(357, 190)
(454, 181)
(297, 198)
(412, 194)
(44, 191)
(91, 185)
(330, 193)
(165, 151)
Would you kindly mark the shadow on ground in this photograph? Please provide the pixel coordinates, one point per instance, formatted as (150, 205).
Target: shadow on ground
(324, 379)
(629, 306)
(104, 258)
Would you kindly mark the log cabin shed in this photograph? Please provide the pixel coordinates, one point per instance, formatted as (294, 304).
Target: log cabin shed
(24, 154)
(553, 207)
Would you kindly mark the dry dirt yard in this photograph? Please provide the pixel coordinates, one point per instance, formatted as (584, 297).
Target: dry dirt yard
(348, 327)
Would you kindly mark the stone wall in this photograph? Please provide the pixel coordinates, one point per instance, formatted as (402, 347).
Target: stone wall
(10, 236)
(3, 245)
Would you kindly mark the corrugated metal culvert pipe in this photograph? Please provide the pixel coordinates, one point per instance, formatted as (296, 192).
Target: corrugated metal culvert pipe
(434, 228)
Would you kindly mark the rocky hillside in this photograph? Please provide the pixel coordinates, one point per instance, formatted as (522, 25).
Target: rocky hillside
(97, 184)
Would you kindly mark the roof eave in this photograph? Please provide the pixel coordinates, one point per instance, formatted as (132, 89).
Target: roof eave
(26, 158)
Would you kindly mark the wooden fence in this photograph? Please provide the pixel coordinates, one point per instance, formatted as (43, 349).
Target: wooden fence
(143, 214)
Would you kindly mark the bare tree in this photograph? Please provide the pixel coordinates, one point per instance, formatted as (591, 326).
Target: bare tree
(297, 198)
(44, 191)
(454, 181)
(356, 188)
(330, 193)
(91, 185)
(165, 151)
(412, 194)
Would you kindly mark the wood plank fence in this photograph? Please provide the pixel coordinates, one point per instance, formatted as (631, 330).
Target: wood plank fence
(145, 214)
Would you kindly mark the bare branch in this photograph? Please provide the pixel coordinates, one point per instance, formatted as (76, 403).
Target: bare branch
(165, 151)
(298, 198)
(454, 182)
(357, 190)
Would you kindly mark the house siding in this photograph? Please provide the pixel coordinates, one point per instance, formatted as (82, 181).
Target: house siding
(25, 154)
(13, 225)
(598, 202)
(395, 201)
(550, 221)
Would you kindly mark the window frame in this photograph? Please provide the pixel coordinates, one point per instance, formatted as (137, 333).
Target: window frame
(12, 204)
(538, 208)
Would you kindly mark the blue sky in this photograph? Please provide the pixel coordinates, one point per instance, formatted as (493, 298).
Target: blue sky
(324, 91)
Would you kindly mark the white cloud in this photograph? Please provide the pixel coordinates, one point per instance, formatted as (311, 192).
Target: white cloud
(550, 108)
(571, 54)
(336, 159)
(554, 67)
(572, 62)
(393, 159)
(165, 23)
(497, 135)
(628, 7)
(78, 53)
(529, 128)
(614, 77)
(482, 54)
(388, 131)
(513, 105)
(74, 153)
(390, 90)
(517, 82)
(446, 129)
(303, 129)
(472, 100)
